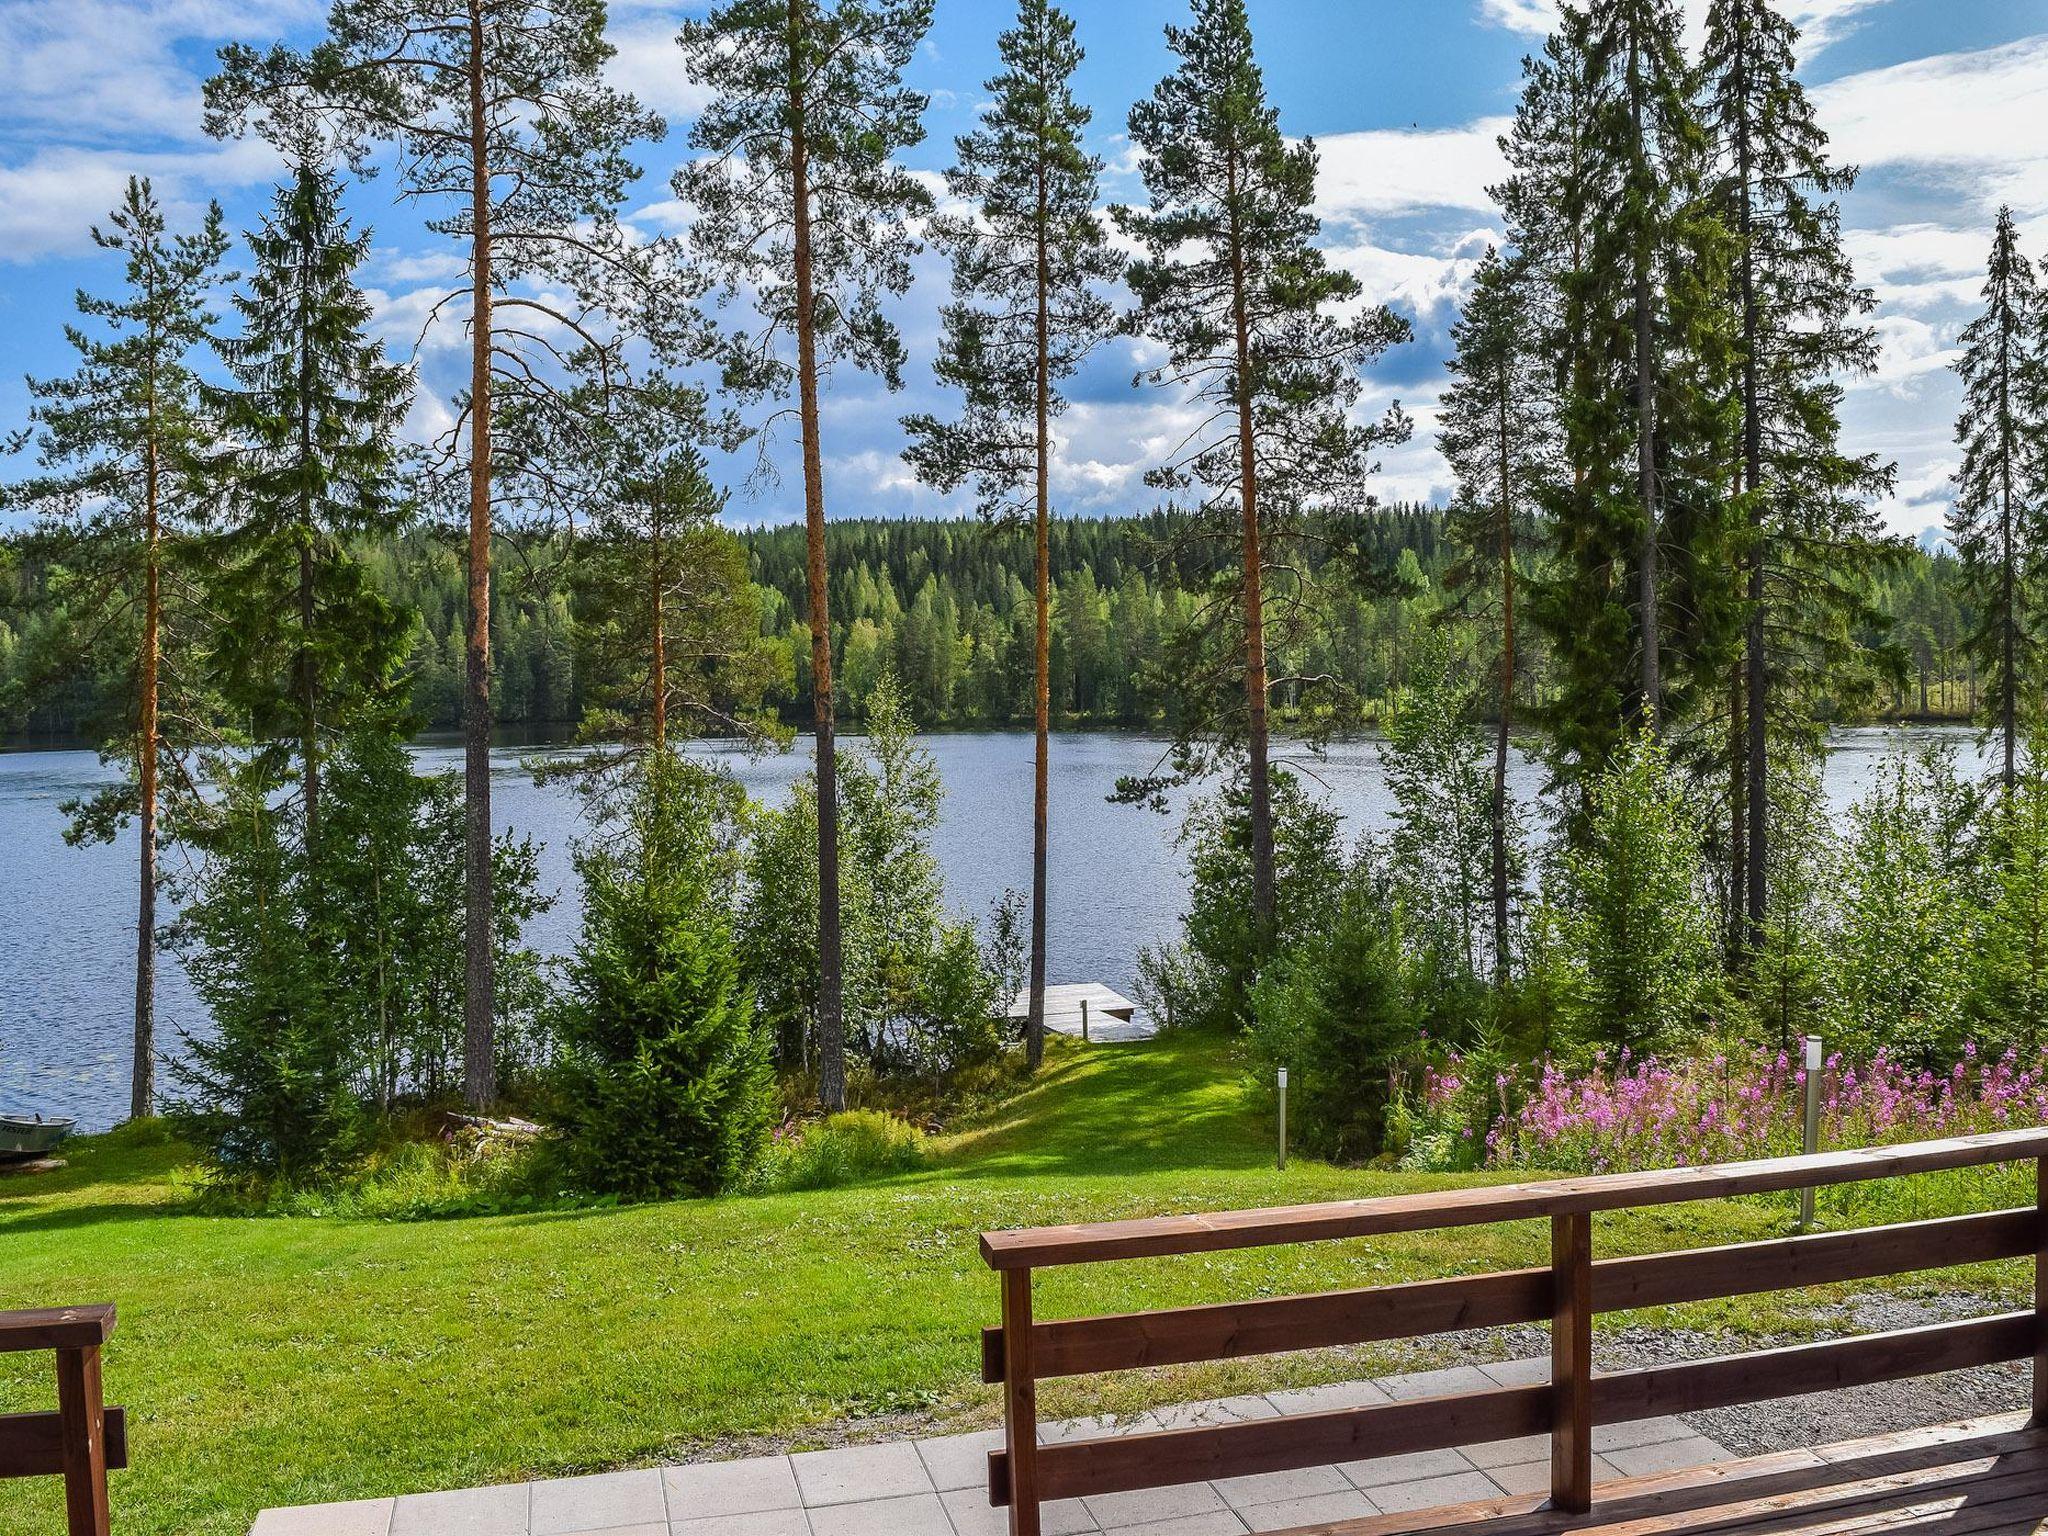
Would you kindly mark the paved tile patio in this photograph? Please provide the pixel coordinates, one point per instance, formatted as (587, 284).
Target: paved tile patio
(937, 1487)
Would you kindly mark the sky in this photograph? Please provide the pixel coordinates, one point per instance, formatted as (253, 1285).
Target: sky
(1942, 103)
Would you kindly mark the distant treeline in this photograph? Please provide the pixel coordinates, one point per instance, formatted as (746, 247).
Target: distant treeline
(947, 606)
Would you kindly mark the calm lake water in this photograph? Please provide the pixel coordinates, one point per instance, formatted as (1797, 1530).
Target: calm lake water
(66, 942)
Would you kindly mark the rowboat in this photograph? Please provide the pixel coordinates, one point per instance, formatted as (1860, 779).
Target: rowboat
(31, 1135)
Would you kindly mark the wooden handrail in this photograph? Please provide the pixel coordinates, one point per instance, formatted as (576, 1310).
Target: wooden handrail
(1567, 1294)
(1479, 1205)
(84, 1438)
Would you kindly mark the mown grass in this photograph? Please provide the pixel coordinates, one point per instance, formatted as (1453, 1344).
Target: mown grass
(280, 1361)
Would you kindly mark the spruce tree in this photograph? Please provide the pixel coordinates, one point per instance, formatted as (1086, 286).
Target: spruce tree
(308, 649)
(1028, 265)
(1499, 438)
(665, 1076)
(117, 441)
(1233, 288)
(500, 112)
(801, 206)
(1809, 535)
(2000, 518)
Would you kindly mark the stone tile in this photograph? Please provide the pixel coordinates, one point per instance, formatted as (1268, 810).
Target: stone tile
(917, 1514)
(1215, 1523)
(1276, 1487)
(1330, 1398)
(1534, 1476)
(1144, 1506)
(707, 1490)
(1666, 1456)
(1316, 1509)
(1454, 1378)
(1384, 1470)
(1429, 1492)
(359, 1517)
(659, 1528)
(959, 1461)
(1517, 1373)
(1508, 1453)
(497, 1511)
(1621, 1437)
(575, 1504)
(1222, 1410)
(860, 1472)
(768, 1522)
(973, 1515)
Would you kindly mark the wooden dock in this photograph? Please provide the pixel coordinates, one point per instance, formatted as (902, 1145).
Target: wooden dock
(1110, 1016)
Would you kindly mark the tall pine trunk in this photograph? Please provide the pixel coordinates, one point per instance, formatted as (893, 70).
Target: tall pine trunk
(1646, 442)
(1041, 788)
(2009, 686)
(658, 637)
(142, 1086)
(479, 1056)
(1497, 810)
(1258, 769)
(309, 713)
(1756, 682)
(831, 1008)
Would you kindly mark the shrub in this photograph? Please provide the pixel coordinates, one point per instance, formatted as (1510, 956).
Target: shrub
(850, 1148)
(664, 1077)
(1225, 953)
(1642, 958)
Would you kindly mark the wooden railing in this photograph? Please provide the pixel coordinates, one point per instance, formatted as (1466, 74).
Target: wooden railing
(84, 1438)
(1566, 1295)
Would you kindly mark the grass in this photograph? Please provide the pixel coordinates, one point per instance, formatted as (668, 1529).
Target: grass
(294, 1360)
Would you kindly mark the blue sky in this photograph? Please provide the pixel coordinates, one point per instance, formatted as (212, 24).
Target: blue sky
(1943, 103)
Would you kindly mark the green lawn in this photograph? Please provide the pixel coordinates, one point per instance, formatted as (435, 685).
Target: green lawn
(281, 1361)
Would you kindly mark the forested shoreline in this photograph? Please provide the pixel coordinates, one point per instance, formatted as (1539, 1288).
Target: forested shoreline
(946, 604)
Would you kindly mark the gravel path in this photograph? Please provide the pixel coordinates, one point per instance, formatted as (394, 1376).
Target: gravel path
(1849, 1413)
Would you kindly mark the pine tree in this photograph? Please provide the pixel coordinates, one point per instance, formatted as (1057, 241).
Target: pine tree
(501, 111)
(1810, 536)
(1499, 438)
(800, 204)
(1233, 288)
(667, 623)
(118, 440)
(308, 648)
(1026, 310)
(2000, 519)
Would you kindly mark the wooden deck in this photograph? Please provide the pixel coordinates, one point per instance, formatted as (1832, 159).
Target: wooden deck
(1988, 1477)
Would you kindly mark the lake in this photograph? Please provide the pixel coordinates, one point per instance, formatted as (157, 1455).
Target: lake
(67, 947)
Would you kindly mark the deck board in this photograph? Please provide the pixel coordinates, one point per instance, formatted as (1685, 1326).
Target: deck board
(1988, 1477)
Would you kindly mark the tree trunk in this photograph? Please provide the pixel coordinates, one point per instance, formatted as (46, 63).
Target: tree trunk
(1041, 789)
(2008, 686)
(1756, 683)
(1258, 769)
(831, 1006)
(479, 1011)
(1646, 440)
(142, 1085)
(1498, 810)
(657, 681)
(307, 680)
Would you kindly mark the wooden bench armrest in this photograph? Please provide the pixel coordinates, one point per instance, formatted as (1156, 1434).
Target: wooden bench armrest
(56, 1328)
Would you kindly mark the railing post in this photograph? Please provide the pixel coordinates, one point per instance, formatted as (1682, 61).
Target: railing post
(2041, 1293)
(1020, 1403)
(82, 1414)
(1571, 1363)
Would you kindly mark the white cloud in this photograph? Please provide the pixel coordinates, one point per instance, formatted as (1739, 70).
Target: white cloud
(49, 202)
(1384, 170)
(1979, 113)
